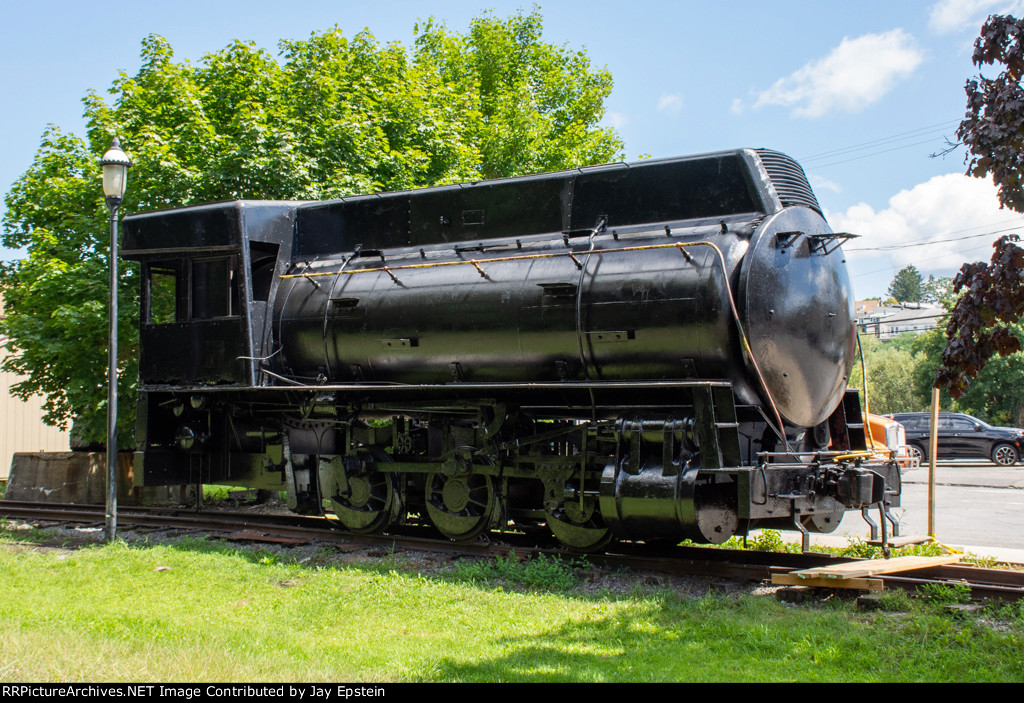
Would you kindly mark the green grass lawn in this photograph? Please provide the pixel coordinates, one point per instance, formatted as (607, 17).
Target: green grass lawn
(202, 611)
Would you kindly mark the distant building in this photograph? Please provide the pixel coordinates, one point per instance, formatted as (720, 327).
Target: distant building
(888, 321)
(21, 424)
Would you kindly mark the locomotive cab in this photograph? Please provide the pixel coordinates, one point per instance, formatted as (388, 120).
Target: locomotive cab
(208, 275)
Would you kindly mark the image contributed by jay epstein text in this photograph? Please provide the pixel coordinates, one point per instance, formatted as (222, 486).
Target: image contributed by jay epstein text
(302, 692)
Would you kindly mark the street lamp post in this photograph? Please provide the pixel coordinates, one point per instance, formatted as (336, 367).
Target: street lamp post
(115, 165)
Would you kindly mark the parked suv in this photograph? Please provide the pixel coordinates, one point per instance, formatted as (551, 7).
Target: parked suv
(962, 437)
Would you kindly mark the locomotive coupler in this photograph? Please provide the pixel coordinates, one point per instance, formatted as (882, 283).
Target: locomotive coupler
(853, 487)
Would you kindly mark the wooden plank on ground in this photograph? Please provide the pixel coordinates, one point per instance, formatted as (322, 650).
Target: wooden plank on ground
(791, 579)
(872, 567)
(900, 541)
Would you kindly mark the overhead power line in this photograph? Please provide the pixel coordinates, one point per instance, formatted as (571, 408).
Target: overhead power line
(927, 242)
(940, 126)
(919, 261)
(812, 162)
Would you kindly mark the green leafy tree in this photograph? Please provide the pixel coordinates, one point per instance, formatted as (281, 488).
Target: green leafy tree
(529, 116)
(938, 291)
(906, 286)
(996, 395)
(928, 348)
(890, 365)
(332, 116)
(902, 370)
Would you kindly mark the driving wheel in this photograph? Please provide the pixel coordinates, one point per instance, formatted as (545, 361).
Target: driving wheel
(364, 498)
(462, 507)
(578, 525)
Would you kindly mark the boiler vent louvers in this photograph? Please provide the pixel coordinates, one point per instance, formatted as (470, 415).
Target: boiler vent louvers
(789, 180)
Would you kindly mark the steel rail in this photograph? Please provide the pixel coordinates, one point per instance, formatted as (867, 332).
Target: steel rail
(678, 560)
(980, 590)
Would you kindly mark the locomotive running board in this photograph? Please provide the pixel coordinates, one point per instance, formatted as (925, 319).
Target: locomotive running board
(475, 388)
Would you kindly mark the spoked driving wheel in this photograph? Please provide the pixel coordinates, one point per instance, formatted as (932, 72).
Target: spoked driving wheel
(577, 524)
(365, 499)
(462, 507)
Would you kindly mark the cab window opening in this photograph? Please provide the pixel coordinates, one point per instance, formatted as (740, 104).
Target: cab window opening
(263, 261)
(162, 299)
(184, 290)
(214, 288)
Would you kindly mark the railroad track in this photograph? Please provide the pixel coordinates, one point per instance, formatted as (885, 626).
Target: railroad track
(676, 560)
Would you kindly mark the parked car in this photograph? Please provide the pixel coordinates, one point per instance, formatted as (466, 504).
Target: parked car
(962, 437)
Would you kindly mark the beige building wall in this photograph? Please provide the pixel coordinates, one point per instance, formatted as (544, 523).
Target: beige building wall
(21, 425)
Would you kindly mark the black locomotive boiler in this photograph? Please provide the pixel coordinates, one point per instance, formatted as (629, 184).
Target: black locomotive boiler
(648, 351)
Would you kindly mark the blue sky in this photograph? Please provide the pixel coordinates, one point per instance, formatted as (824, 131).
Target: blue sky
(860, 92)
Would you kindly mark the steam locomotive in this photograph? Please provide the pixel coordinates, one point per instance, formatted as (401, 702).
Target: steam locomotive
(647, 351)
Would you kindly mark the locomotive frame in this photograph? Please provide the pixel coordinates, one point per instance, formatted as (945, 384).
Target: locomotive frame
(653, 351)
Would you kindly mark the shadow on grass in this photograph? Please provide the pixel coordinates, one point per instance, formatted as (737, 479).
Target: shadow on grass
(600, 650)
(660, 640)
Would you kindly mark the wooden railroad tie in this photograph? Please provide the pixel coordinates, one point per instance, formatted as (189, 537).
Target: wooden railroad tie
(856, 574)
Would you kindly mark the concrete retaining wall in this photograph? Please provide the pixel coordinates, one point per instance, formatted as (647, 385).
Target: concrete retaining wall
(81, 477)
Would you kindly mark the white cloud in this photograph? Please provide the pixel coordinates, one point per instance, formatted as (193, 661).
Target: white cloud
(671, 103)
(820, 183)
(857, 73)
(948, 16)
(618, 120)
(923, 219)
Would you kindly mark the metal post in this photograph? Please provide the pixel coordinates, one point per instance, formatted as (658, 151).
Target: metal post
(933, 447)
(111, 513)
(115, 164)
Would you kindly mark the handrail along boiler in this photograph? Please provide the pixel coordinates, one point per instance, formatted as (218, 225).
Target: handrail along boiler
(651, 351)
